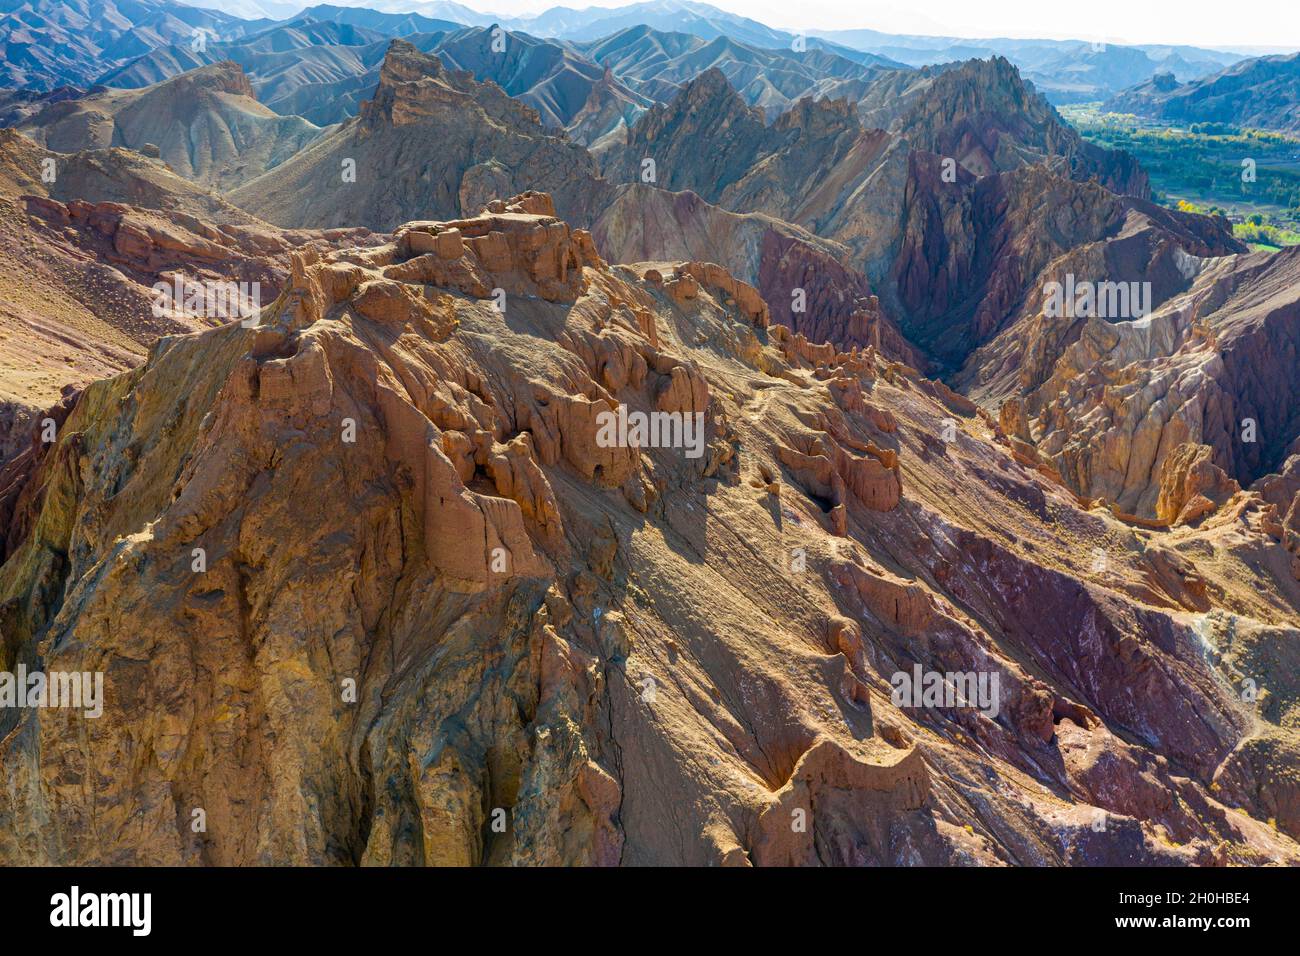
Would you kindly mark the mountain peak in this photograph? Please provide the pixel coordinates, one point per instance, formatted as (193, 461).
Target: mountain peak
(706, 109)
(819, 116)
(224, 76)
(711, 83)
(414, 85)
(404, 62)
(712, 91)
(411, 85)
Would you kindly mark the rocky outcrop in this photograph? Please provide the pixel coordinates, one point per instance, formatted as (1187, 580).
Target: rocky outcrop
(976, 254)
(829, 469)
(520, 244)
(474, 144)
(801, 277)
(483, 641)
(455, 450)
(1167, 416)
(983, 115)
(1281, 494)
(870, 805)
(1191, 486)
(663, 146)
(81, 281)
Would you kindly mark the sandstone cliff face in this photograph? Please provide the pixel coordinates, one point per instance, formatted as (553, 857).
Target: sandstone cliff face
(437, 620)
(431, 142)
(1145, 412)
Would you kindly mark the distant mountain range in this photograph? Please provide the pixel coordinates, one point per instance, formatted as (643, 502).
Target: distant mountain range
(657, 63)
(51, 43)
(1066, 71)
(1260, 93)
(323, 70)
(48, 43)
(322, 63)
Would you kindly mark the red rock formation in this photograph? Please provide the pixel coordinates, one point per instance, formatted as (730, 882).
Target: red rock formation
(433, 600)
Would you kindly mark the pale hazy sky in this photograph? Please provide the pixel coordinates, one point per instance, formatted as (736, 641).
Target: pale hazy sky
(1274, 23)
